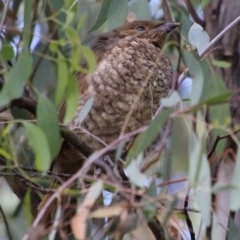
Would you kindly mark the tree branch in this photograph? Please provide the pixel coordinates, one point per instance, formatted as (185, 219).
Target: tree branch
(4, 14)
(193, 13)
(188, 220)
(219, 36)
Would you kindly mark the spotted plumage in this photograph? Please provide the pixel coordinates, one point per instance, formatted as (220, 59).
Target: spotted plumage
(131, 77)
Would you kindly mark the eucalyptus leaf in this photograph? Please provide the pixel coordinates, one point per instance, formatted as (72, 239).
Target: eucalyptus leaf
(222, 64)
(199, 173)
(234, 231)
(14, 86)
(7, 51)
(148, 136)
(117, 13)
(198, 37)
(102, 16)
(49, 123)
(62, 73)
(72, 97)
(172, 100)
(85, 109)
(133, 172)
(38, 141)
(197, 76)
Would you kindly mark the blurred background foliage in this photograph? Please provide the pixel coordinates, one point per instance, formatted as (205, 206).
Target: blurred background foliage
(42, 44)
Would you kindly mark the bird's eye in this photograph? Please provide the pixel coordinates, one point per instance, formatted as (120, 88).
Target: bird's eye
(140, 28)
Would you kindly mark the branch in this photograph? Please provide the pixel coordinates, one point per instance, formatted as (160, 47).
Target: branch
(193, 13)
(168, 14)
(188, 220)
(6, 224)
(219, 36)
(217, 141)
(4, 14)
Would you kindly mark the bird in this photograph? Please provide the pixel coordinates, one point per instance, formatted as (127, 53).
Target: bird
(131, 76)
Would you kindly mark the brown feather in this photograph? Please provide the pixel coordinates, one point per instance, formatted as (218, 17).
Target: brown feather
(131, 69)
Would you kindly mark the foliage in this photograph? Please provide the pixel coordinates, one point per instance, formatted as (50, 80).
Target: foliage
(43, 69)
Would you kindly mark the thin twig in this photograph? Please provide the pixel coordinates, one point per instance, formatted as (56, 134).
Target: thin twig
(4, 14)
(219, 36)
(193, 13)
(188, 220)
(172, 182)
(168, 14)
(218, 139)
(161, 147)
(6, 224)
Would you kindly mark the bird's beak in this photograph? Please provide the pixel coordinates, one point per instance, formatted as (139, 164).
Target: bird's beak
(168, 27)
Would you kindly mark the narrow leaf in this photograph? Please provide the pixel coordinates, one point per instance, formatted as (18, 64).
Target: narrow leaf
(133, 172)
(38, 141)
(85, 109)
(13, 87)
(102, 16)
(148, 136)
(199, 173)
(172, 100)
(117, 13)
(49, 123)
(72, 98)
(62, 73)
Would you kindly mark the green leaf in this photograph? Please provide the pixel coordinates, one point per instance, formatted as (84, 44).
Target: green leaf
(72, 99)
(205, 3)
(148, 136)
(215, 92)
(62, 73)
(216, 232)
(117, 13)
(54, 11)
(102, 16)
(48, 122)
(216, 87)
(38, 142)
(222, 64)
(85, 109)
(172, 100)
(220, 115)
(222, 187)
(235, 193)
(180, 139)
(197, 76)
(90, 58)
(7, 50)
(133, 172)
(199, 173)
(81, 22)
(198, 37)
(234, 231)
(141, 9)
(71, 5)
(27, 22)
(120, 149)
(27, 208)
(13, 87)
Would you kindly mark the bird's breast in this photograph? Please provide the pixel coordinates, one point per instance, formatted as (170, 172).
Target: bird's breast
(128, 83)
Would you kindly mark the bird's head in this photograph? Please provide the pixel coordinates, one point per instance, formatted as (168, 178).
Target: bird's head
(154, 31)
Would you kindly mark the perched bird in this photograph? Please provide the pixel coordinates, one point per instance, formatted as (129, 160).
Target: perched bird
(131, 77)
